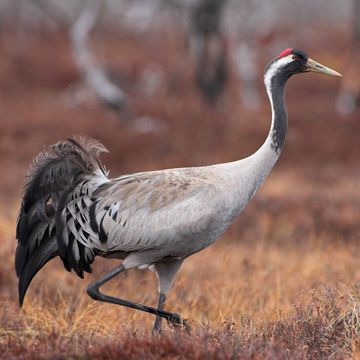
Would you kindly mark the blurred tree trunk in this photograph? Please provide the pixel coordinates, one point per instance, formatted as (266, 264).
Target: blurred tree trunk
(209, 47)
(349, 96)
(357, 21)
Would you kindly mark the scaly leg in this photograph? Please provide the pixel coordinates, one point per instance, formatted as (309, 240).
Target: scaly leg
(166, 271)
(93, 291)
(157, 324)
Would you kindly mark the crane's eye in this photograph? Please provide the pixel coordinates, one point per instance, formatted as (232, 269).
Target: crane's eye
(296, 57)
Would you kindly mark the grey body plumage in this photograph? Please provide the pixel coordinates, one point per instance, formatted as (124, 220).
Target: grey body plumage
(73, 210)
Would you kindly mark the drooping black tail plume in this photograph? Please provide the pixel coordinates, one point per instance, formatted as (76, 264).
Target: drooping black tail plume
(52, 178)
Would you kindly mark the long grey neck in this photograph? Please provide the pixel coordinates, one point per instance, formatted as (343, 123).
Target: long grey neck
(244, 177)
(275, 88)
(270, 151)
(262, 161)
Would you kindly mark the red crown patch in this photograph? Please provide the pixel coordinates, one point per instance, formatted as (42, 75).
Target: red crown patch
(285, 52)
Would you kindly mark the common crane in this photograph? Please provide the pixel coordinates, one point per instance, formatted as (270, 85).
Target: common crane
(72, 209)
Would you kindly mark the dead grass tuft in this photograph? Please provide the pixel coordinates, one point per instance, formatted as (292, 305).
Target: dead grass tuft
(278, 285)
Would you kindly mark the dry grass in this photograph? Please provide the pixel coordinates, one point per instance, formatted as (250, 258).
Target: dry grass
(281, 284)
(289, 294)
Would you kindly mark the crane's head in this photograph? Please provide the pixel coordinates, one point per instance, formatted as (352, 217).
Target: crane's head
(293, 61)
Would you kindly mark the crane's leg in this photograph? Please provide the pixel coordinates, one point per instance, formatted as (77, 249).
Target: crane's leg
(166, 271)
(93, 291)
(157, 324)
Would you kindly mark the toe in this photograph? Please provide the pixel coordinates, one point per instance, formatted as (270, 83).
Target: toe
(178, 323)
(156, 331)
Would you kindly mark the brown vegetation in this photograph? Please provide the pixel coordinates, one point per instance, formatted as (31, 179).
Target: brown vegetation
(282, 283)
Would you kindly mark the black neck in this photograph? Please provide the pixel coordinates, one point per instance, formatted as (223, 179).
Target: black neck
(276, 92)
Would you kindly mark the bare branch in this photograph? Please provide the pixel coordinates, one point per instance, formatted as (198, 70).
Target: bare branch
(92, 72)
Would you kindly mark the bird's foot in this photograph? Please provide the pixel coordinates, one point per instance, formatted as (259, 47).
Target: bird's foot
(178, 323)
(156, 331)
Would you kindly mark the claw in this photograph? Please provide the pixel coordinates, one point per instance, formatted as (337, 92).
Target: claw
(178, 323)
(186, 327)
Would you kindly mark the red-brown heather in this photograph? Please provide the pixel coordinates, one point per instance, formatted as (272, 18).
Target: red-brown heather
(282, 283)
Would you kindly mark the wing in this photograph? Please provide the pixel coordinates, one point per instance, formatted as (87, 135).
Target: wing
(150, 210)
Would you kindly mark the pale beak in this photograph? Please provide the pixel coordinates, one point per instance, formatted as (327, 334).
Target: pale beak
(314, 66)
